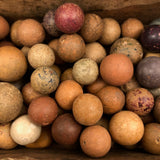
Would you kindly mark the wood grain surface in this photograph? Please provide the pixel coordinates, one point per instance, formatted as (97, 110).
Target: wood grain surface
(146, 10)
(57, 153)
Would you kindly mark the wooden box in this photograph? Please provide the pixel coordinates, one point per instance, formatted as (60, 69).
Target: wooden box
(145, 10)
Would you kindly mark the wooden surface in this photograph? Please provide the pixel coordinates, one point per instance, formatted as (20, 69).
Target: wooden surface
(54, 153)
(146, 10)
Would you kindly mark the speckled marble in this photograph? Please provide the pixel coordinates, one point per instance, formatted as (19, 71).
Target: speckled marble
(150, 38)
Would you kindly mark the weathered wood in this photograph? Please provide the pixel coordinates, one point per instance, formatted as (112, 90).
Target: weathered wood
(57, 154)
(146, 13)
(120, 9)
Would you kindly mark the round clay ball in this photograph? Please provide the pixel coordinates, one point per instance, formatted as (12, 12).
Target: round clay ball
(41, 55)
(6, 140)
(43, 110)
(57, 69)
(87, 109)
(111, 31)
(14, 32)
(44, 140)
(95, 51)
(140, 101)
(6, 43)
(150, 38)
(13, 64)
(104, 121)
(96, 85)
(19, 84)
(29, 93)
(148, 73)
(150, 140)
(65, 130)
(113, 99)
(54, 45)
(132, 27)
(23, 131)
(25, 50)
(129, 47)
(95, 141)
(150, 54)
(11, 102)
(71, 47)
(155, 92)
(116, 69)
(149, 118)
(4, 27)
(69, 18)
(49, 23)
(132, 84)
(24, 110)
(67, 74)
(92, 28)
(156, 109)
(30, 32)
(85, 71)
(44, 80)
(66, 93)
(155, 22)
(126, 128)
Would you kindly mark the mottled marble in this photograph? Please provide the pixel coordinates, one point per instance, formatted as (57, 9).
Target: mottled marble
(150, 38)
